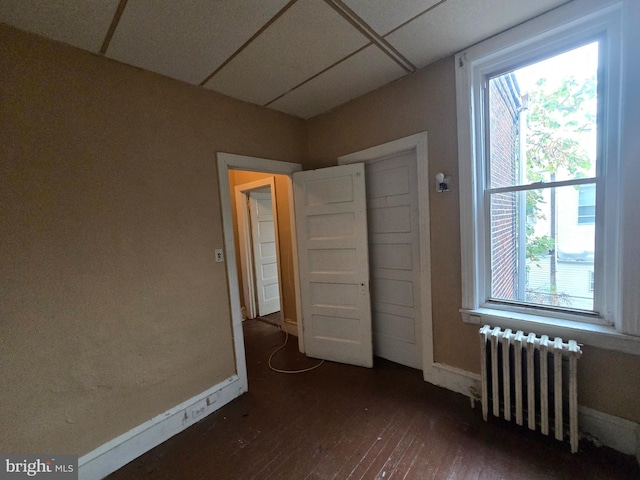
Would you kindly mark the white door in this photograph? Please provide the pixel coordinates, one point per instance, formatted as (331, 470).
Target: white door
(264, 251)
(394, 253)
(331, 225)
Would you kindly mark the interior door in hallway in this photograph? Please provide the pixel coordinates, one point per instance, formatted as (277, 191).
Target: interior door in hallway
(394, 252)
(264, 251)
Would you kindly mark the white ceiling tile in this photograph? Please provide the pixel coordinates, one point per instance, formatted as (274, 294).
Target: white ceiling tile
(457, 24)
(190, 39)
(359, 74)
(187, 40)
(308, 38)
(382, 18)
(82, 24)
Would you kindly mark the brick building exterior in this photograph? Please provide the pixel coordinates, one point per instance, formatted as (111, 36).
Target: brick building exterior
(504, 114)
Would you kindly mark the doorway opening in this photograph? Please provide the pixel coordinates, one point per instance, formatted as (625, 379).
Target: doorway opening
(236, 170)
(259, 246)
(417, 283)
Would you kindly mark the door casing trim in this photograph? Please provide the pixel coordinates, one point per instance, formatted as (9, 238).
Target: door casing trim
(419, 144)
(226, 162)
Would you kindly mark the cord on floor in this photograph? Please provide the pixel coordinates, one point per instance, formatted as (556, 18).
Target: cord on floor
(286, 339)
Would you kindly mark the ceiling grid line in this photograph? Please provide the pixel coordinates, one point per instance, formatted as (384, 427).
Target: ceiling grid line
(403, 24)
(248, 42)
(317, 75)
(112, 28)
(366, 29)
(300, 57)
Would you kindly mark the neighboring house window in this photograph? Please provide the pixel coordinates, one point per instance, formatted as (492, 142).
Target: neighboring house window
(538, 121)
(586, 204)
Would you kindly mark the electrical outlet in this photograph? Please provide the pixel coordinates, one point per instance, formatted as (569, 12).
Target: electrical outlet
(219, 255)
(198, 412)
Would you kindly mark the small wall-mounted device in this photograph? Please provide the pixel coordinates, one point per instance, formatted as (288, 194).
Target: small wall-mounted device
(443, 182)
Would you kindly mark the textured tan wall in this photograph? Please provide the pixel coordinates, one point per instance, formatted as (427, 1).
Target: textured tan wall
(288, 300)
(112, 308)
(426, 101)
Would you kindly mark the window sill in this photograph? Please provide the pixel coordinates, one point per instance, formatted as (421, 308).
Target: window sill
(600, 336)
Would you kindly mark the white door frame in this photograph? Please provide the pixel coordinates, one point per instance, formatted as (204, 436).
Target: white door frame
(226, 162)
(419, 143)
(452, 378)
(439, 374)
(244, 240)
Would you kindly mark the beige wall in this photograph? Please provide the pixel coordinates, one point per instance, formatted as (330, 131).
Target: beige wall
(112, 307)
(426, 101)
(288, 300)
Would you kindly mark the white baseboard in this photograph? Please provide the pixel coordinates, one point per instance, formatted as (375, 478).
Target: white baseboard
(608, 430)
(614, 432)
(452, 378)
(121, 450)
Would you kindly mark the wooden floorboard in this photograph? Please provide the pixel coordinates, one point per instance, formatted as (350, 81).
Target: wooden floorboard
(342, 422)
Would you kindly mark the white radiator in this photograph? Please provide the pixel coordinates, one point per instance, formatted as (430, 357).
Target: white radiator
(524, 375)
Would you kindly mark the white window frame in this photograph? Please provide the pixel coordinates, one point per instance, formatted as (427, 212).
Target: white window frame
(565, 27)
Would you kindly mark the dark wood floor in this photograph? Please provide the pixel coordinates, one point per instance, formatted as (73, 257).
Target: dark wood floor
(342, 422)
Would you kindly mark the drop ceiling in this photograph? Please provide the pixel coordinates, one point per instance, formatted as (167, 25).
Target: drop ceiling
(302, 57)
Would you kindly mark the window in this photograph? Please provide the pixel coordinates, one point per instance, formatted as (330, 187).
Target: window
(586, 205)
(539, 136)
(540, 151)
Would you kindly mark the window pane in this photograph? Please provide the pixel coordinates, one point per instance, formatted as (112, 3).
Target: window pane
(542, 120)
(587, 204)
(539, 253)
(507, 246)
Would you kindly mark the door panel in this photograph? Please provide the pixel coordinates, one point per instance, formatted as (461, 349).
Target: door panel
(331, 223)
(264, 251)
(394, 250)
